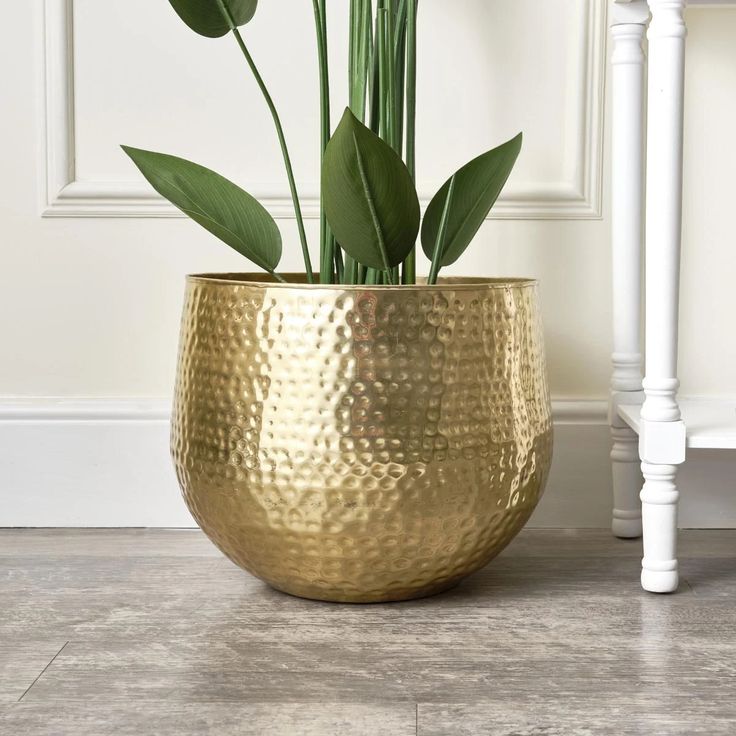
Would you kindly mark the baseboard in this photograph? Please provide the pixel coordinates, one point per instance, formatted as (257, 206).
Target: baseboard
(87, 462)
(105, 463)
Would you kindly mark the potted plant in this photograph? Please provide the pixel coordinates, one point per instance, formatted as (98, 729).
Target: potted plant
(356, 433)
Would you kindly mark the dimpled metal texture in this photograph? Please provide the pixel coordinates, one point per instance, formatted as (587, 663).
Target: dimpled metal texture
(361, 444)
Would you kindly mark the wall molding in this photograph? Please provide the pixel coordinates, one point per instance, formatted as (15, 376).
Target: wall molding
(65, 196)
(104, 462)
(157, 409)
(53, 409)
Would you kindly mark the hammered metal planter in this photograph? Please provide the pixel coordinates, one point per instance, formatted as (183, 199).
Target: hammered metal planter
(353, 443)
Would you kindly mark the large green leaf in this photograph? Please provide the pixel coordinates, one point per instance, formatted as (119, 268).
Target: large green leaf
(477, 186)
(368, 196)
(207, 17)
(215, 203)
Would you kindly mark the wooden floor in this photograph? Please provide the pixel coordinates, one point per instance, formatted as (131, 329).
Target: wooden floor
(154, 632)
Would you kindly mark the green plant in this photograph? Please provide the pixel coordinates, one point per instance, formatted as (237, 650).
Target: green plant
(369, 215)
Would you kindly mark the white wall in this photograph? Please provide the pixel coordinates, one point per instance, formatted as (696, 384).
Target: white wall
(92, 265)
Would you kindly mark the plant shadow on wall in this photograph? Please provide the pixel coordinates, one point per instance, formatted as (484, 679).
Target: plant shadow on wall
(370, 216)
(381, 439)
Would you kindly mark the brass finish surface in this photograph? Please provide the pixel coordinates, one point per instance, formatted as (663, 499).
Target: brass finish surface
(361, 444)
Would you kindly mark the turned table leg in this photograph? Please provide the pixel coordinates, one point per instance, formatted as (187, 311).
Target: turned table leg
(628, 25)
(662, 433)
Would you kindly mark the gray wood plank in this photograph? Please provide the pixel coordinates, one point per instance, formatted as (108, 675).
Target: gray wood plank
(712, 577)
(414, 665)
(603, 716)
(181, 719)
(555, 636)
(21, 662)
(111, 542)
(192, 613)
(192, 542)
(505, 576)
(117, 598)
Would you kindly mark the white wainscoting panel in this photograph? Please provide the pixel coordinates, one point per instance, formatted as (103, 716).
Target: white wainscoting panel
(190, 96)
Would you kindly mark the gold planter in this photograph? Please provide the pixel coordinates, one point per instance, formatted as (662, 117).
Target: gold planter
(353, 443)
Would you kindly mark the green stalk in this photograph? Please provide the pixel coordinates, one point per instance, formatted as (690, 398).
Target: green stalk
(441, 233)
(339, 265)
(366, 44)
(349, 270)
(408, 275)
(411, 85)
(360, 18)
(359, 55)
(381, 22)
(354, 10)
(387, 57)
(332, 245)
(357, 79)
(326, 241)
(280, 133)
(399, 54)
(352, 271)
(388, 113)
(375, 89)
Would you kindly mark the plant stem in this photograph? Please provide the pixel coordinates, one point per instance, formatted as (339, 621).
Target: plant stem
(408, 275)
(375, 88)
(363, 77)
(382, 74)
(366, 44)
(388, 59)
(359, 55)
(278, 277)
(399, 54)
(351, 271)
(352, 51)
(441, 233)
(282, 143)
(361, 19)
(388, 113)
(326, 240)
(339, 266)
(411, 85)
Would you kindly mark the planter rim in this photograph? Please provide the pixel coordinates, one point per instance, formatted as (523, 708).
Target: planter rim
(298, 281)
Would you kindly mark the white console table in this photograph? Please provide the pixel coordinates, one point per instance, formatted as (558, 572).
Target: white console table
(649, 425)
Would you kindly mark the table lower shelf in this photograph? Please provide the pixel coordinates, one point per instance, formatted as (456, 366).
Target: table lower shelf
(709, 423)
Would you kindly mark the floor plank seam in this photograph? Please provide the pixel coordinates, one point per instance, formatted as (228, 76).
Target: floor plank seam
(416, 719)
(40, 674)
